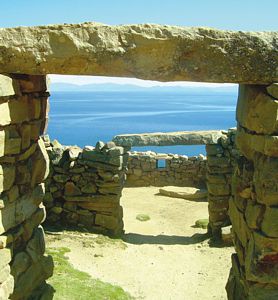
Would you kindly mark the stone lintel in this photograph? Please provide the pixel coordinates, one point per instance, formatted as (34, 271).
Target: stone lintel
(146, 51)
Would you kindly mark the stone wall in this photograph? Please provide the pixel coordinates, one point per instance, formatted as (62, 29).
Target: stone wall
(23, 167)
(221, 161)
(179, 170)
(253, 209)
(84, 186)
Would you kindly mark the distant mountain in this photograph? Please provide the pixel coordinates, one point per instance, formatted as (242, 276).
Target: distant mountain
(113, 87)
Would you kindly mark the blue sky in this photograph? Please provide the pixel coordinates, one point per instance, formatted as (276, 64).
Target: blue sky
(223, 14)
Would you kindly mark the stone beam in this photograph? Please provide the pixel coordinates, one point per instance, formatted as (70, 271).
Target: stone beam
(168, 138)
(155, 52)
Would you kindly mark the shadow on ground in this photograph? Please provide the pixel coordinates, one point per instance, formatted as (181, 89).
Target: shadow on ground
(140, 239)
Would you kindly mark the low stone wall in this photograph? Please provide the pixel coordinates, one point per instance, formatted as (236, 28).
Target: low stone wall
(253, 209)
(179, 170)
(221, 161)
(85, 185)
(23, 167)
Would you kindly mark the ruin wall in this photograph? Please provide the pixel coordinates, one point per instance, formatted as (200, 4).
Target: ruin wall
(179, 170)
(23, 167)
(84, 186)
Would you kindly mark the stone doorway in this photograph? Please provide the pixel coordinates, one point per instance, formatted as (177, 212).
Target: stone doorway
(150, 52)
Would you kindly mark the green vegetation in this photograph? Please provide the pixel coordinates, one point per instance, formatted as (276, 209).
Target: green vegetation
(70, 283)
(103, 241)
(143, 217)
(202, 223)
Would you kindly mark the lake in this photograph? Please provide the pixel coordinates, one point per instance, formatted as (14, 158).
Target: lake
(83, 118)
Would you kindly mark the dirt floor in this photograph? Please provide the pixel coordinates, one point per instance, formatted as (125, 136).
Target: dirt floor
(162, 258)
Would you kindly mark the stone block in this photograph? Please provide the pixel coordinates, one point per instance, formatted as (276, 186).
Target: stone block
(16, 212)
(31, 83)
(7, 177)
(256, 110)
(109, 222)
(6, 257)
(238, 223)
(40, 164)
(27, 153)
(13, 193)
(216, 178)
(270, 222)
(36, 218)
(23, 174)
(10, 141)
(36, 129)
(214, 149)
(25, 132)
(8, 87)
(89, 188)
(33, 277)
(261, 264)
(36, 246)
(253, 214)
(21, 262)
(218, 161)
(35, 107)
(71, 189)
(272, 90)
(6, 288)
(265, 179)
(218, 189)
(4, 274)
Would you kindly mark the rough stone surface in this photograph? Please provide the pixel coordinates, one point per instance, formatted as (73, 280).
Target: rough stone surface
(253, 205)
(156, 52)
(189, 193)
(22, 169)
(168, 138)
(256, 110)
(272, 90)
(221, 158)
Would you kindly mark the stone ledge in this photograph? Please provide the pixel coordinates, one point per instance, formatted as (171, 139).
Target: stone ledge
(168, 138)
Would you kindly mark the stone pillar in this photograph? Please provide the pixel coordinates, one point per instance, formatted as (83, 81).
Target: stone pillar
(253, 209)
(23, 166)
(220, 164)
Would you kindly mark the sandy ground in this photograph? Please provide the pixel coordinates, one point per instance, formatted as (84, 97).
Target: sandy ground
(163, 258)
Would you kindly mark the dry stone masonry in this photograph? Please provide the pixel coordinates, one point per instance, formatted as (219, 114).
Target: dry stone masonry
(253, 208)
(84, 186)
(23, 166)
(221, 160)
(179, 170)
(156, 52)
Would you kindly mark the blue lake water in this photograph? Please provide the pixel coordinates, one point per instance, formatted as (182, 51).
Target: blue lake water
(83, 118)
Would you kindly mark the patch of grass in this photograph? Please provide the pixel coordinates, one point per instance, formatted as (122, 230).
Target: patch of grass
(143, 217)
(202, 223)
(103, 241)
(73, 284)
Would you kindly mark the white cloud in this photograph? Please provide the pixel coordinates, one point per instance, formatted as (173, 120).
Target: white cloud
(82, 80)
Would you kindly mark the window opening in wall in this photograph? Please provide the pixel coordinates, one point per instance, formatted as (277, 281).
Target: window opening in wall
(161, 163)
